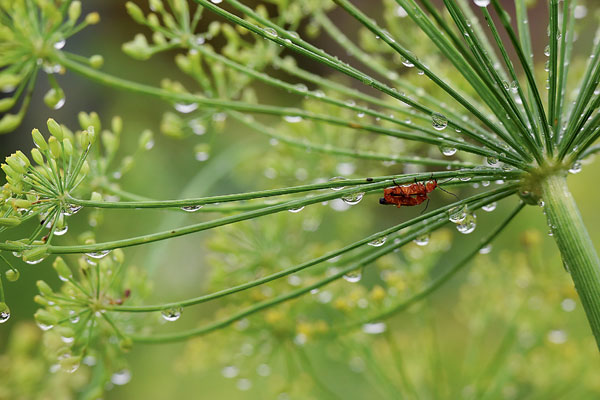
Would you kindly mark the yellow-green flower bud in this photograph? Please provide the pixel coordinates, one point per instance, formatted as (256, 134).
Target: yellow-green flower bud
(95, 122)
(55, 148)
(135, 12)
(84, 120)
(92, 18)
(45, 319)
(138, 48)
(85, 140)
(74, 11)
(96, 197)
(55, 129)
(65, 331)
(21, 203)
(118, 255)
(96, 61)
(9, 221)
(117, 125)
(157, 5)
(7, 103)
(44, 289)
(39, 140)
(38, 253)
(41, 300)
(153, 20)
(110, 142)
(61, 268)
(16, 164)
(146, 141)
(68, 147)
(13, 275)
(23, 158)
(85, 168)
(158, 38)
(126, 344)
(10, 122)
(9, 171)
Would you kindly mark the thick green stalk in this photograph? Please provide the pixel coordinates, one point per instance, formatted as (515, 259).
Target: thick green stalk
(575, 245)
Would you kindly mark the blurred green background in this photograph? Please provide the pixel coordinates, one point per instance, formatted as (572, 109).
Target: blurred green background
(170, 170)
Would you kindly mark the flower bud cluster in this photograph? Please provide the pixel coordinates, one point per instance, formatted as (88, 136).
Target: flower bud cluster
(81, 313)
(25, 49)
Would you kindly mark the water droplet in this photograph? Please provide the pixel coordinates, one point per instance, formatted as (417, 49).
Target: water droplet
(407, 63)
(61, 230)
(270, 32)
(172, 314)
(547, 51)
(244, 384)
(557, 336)
(568, 305)
(186, 108)
(301, 87)
(422, 240)
(492, 161)
(401, 12)
(4, 313)
(121, 377)
(60, 44)
(440, 122)
(72, 209)
(263, 370)
(489, 207)
(353, 276)
(468, 225)
(296, 210)
(458, 214)
(487, 249)
(482, 3)
(576, 167)
(191, 209)
(353, 198)
(448, 151)
(374, 328)
(98, 254)
(34, 262)
(292, 119)
(197, 127)
(337, 179)
(230, 371)
(44, 327)
(378, 242)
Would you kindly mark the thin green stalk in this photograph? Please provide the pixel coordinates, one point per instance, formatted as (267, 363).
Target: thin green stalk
(367, 60)
(329, 149)
(373, 255)
(373, 27)
(553, 66)
(568, 37)
(442, 278)
(298, 45)
(313, 262)
(116, 82)
(576, 248)
(505, 19)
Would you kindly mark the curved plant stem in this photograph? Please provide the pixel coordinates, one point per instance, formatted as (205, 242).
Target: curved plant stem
(576, 247)
(443, 278)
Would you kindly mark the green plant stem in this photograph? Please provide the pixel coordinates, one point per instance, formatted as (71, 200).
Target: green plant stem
(575, 245)
(310, 263)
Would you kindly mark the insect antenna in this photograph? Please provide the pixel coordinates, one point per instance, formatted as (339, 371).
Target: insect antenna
(426, 205)
(444, 190)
